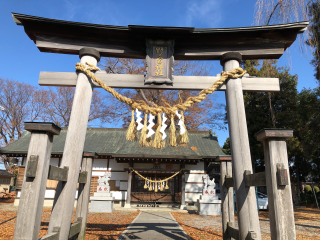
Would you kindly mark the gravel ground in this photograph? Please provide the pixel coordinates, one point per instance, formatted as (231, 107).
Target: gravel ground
(209, 227)
(110, 226)
(99, 225)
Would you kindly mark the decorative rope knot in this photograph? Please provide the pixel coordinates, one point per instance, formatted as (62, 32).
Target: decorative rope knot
(156, 110)
(156, 181)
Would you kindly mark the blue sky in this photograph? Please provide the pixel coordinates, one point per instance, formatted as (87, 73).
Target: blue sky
(22, 61)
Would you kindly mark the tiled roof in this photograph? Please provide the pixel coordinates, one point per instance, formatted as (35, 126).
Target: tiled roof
(5, 173)
(112, 141)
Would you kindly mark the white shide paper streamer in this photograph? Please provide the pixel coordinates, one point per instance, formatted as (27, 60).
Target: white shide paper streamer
(163, 126)
(139, 119)
(182, 129)
(151, 124)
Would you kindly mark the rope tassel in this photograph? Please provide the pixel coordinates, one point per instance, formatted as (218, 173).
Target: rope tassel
(167, 187)
(157, 142)
(143, 136)
(145, 184)
(156, 186)
(172, 137)
(132, 133)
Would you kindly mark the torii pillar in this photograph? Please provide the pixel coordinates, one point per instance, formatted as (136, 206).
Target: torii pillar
(73, 150)
(240, 151)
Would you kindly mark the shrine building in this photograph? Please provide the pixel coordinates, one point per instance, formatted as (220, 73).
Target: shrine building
(112, 152)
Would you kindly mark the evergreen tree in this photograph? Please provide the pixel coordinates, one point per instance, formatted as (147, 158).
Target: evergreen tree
(285, 109)
(314, 40)
(308, 131)
(226, 147)
(269, 110)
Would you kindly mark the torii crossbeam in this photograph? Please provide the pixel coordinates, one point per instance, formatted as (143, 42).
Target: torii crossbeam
(91, 41)
(69, 79)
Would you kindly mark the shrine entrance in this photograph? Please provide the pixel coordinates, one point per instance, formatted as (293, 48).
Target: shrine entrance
(159, 46)
(140, 194)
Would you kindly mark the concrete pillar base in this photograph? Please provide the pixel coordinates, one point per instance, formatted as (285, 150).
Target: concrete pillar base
(183, 207)
(127, 205)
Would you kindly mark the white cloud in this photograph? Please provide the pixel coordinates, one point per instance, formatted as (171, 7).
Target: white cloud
(206, 13)
(104, 14)
(71, 9)
(100, 12)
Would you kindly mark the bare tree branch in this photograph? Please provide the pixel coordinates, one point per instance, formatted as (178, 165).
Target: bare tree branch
(284, 11)
(144, 96)
(273, 11)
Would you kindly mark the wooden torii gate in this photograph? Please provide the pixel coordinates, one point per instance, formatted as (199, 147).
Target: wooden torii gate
(91, 41)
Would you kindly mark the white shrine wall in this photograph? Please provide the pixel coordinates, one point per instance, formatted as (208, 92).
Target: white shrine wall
(98, 169)
(193, 180)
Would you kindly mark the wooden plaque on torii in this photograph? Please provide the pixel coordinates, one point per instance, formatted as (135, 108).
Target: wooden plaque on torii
(159, 61)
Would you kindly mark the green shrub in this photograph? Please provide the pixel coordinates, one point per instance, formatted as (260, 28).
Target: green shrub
(316, 189)
(307, 188)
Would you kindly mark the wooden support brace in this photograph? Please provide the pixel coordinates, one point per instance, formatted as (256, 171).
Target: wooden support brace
(83, 177)
(227, 201)
(32, 196)
(282, 175)
(52, 236)
(229, 181)
(75, 227)
(233, 232)
(58, 174)
(281, 214)
(32, 166)
(255, 179)
(84, 195)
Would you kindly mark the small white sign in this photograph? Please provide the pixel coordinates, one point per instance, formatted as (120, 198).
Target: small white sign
(117, 183)
(123, 185)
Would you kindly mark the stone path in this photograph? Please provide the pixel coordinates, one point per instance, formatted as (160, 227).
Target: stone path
(151, 209)
(154, 225)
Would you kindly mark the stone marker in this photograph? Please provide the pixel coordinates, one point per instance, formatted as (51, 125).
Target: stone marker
(209, 203)
(102, 201)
